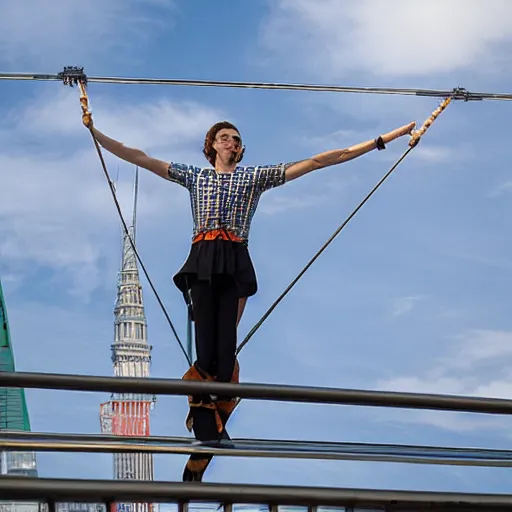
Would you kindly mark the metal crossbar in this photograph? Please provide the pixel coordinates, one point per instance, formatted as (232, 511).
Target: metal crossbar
(109, 492)
(104, 491)
(271, 448)
(319, 395)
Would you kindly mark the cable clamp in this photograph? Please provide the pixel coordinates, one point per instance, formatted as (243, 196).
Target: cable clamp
(72, 75)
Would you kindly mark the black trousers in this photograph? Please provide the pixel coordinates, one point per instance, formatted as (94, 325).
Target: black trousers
(215, 308)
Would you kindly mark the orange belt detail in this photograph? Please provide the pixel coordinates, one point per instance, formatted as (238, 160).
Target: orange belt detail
(216, 233)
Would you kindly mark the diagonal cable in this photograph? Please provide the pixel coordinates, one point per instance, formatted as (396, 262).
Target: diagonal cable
(319, 252)
(84, 101)
(415, 138)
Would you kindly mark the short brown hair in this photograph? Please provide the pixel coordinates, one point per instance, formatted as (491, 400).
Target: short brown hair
(208, 150)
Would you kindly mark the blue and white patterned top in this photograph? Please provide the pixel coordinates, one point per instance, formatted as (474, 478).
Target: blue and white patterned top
(226, 200)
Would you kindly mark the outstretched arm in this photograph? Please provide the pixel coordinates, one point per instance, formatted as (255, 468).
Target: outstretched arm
(134, 156)
(338, 156)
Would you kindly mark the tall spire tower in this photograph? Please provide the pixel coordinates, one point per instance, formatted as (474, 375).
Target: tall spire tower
(129, 414)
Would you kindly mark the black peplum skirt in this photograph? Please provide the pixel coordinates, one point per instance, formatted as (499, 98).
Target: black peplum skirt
(210, 258)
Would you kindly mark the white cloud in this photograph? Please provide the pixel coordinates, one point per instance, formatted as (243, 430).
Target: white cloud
(70, 29)
(485, 261)
(481, 346)
(464, 368)
(455, 422)
(56, 211)
(156, 125)
(336, 38)
(308, 192)
(504, 188)
(337, 139)
(438, 154)
(430, 383)
(404, 305)
(473, 366)
(42, 215)
(275, 204)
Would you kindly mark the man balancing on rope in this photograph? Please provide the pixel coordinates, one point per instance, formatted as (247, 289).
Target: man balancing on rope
(218, 275)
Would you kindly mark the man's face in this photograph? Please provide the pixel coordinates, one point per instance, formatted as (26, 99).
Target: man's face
(228, 143)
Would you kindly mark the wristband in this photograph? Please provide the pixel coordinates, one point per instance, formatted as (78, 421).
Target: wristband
(379, 143)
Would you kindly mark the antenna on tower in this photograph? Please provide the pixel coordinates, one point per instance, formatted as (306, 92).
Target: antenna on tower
(128, 414)
(117, 179)
(135, 196)
(121, 234)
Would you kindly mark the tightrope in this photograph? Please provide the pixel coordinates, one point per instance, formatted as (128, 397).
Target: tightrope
(458, 93)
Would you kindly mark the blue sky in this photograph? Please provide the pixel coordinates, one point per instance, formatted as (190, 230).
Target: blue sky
(412, 296)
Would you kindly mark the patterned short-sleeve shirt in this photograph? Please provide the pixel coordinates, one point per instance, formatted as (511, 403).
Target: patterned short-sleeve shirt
(225, 200)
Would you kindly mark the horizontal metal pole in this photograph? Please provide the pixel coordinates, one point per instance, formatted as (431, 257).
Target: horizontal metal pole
(256, 392)
(271, 448)
(463, 95)
(16, 488)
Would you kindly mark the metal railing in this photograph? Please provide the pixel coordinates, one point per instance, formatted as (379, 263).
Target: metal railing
(306, 394)
(108, 492)
(268, 448)
(53, 491)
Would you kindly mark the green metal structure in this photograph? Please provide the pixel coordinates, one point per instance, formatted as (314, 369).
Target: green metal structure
(13, 405)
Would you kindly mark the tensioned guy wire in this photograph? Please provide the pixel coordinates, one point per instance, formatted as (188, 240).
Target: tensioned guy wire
(456, 94)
